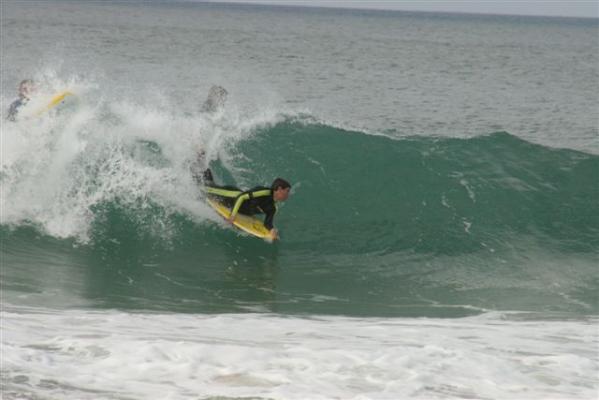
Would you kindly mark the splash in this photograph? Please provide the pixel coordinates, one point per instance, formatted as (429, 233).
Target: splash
(59, 166)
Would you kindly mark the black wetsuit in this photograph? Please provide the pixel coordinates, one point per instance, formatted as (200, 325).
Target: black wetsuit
(14, 108)
(258, 200)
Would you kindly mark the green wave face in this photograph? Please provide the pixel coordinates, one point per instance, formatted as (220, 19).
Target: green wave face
(357, 193)
(375, 226)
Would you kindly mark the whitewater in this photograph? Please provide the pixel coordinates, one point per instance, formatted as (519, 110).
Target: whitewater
(269, 356)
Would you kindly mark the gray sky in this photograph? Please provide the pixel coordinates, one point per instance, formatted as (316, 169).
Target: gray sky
(572, 8)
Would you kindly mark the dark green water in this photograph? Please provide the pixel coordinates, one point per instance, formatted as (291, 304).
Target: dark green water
(375, 227)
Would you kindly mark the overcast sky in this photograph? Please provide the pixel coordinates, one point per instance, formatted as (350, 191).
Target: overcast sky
(573, 8)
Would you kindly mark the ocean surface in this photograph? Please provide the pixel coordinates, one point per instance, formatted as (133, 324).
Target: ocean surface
(441, 240)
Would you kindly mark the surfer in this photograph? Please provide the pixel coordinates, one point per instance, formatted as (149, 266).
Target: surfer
(215, 101)
(26, 89)
(259, 200)
(217, 96)
(201, 175)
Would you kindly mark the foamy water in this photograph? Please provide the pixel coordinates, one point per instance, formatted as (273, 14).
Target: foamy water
(113, 355)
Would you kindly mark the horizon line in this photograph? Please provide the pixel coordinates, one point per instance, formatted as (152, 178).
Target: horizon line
(367, 7)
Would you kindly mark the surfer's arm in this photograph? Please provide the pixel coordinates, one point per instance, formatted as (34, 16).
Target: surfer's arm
(238, 202)
(270, 216)
(268, 221)
(14, 110)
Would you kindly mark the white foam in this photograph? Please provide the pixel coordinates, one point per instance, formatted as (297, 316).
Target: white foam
(56, 167)
(108, 355)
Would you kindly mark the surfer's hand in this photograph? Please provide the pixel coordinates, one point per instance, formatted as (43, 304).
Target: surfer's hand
(274, 234)
(231, 219)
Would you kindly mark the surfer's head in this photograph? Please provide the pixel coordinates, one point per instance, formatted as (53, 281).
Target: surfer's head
(26, 88)
(217, 96)
(280, 189)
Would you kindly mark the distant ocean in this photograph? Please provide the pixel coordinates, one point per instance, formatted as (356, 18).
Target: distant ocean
(441, 240)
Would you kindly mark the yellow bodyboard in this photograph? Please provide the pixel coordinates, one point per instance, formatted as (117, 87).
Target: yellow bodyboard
(246, 223)
(56, 100)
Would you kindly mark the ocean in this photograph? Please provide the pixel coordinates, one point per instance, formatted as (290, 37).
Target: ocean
(441, 240)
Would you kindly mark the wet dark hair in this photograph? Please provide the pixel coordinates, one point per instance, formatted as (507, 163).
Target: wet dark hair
(25, 82)
(280, 183)
(216, 99)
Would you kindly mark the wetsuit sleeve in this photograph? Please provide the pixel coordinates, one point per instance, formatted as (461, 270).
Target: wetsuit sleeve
(13, 110)
(270, 212)
(238, 202)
